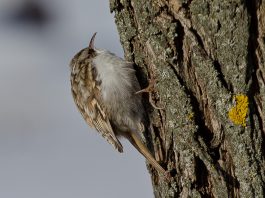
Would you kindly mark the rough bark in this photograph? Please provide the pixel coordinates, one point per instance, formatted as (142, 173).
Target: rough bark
(208, 59)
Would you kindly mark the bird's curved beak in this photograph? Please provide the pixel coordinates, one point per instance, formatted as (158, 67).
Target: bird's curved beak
(91, 43)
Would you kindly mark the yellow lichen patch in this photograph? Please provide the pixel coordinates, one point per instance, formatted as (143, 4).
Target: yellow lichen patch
(191, 116)
(238, 113)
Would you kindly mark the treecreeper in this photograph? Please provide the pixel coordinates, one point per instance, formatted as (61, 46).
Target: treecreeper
(104, 88)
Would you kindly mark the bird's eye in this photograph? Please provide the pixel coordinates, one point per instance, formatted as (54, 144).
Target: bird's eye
(94, 72)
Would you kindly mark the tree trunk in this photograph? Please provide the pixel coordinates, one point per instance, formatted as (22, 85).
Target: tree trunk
(208, 60)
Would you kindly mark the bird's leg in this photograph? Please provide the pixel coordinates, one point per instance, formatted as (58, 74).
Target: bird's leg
(148, 90)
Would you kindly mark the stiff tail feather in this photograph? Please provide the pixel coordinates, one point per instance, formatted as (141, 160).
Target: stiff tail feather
(137, 143)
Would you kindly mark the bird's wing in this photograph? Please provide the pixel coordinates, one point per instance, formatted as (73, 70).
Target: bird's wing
(91, 107)
(97, 118)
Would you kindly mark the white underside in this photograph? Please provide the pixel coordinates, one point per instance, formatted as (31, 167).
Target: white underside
(114, 73)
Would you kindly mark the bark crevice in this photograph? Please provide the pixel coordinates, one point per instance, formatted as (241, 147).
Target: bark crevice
(203, 55)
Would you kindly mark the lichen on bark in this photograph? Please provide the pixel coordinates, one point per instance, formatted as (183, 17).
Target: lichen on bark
(202, 55)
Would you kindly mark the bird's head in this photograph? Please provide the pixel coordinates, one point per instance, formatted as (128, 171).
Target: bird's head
(83, 55)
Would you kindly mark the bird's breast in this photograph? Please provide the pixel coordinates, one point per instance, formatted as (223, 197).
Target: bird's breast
(116, 76)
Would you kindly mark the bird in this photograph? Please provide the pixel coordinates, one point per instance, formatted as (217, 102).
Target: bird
(104, 88)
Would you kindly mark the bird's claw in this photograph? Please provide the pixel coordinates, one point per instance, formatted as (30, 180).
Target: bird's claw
(149, 89)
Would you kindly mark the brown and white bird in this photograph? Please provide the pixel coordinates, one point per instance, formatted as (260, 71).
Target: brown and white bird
(104, 89)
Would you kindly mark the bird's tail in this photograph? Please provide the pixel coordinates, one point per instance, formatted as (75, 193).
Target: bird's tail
(138, 144)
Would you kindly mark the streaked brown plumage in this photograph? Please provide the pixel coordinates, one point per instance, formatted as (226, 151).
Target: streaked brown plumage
(104, 89)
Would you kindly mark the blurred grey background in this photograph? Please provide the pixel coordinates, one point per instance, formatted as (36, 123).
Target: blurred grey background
(46, 148)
